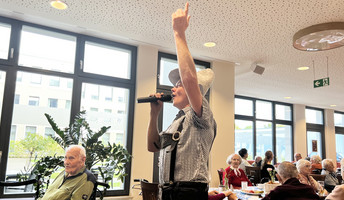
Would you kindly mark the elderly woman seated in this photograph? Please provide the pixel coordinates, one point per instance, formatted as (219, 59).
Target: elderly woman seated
(304, 169)
(233, 173)
(331, 178)
(338, 192)
(316, 163)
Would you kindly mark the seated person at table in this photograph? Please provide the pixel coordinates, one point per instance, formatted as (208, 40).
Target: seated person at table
(233, 173)
(316, 163)
(269, 156)
(291, 188)
(338, 192)
(304, 169)
(331, 177)
(243, 153)
(75, 182)
(215, 195)
(257, 161)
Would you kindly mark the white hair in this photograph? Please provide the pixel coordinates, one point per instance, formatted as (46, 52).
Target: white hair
(316, 158)
(229, 158)
(287, 170)
(301, 163)
(82, 151)
(326, 163)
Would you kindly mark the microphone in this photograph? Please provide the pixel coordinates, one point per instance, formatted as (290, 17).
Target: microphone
(154, 99)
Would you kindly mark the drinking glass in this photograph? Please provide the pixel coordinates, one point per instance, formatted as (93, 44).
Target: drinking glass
(243, 185)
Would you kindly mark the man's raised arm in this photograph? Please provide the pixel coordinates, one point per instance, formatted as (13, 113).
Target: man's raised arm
(187, 70)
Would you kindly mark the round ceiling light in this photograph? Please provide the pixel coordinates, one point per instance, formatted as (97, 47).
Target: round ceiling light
(58, 4)
(320, 37)
(209, 44)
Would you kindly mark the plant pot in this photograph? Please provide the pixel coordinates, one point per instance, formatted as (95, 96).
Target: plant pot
(270, 186)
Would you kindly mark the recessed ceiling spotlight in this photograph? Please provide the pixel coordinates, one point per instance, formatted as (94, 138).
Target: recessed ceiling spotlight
(303, 68)
(58, 4)
(333, 105)
(209, 44)
(287, 97)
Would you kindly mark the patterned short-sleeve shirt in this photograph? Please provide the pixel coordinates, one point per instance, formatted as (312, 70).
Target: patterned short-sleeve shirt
(193, 149)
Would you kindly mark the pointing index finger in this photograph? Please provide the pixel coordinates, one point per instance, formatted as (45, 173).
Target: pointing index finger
(186, 9)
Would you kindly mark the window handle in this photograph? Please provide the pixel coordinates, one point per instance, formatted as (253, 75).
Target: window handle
(81, 64)
(12, 52)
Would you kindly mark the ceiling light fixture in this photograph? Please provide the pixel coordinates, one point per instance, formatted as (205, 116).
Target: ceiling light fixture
(333, 105)
(287, 97)
(209, 44)
(58, 4)
(303, 68)
(320, 37)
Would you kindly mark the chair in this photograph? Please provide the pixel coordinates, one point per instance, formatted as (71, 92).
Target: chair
(95, 189)
(316, 171)
(150, 191)
(220, 172)
(318, 177)
(22, 183)
(253, 174)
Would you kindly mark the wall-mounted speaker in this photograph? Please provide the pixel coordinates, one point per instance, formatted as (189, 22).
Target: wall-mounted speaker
(257, 69)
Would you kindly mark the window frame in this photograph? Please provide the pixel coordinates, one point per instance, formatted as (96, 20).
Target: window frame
(11, 67)
(317, 128)
(274, 122)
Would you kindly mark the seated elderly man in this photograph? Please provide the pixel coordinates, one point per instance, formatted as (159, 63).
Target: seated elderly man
(338, 192)
(331, 177)
(291, 188)
(75, 182)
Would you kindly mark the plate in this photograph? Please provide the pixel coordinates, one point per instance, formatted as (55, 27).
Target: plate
(255, 194)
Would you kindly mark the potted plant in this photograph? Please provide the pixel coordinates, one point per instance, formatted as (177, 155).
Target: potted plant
(109, 159)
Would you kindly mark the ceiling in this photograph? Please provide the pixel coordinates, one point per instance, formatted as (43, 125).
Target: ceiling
(246, 31)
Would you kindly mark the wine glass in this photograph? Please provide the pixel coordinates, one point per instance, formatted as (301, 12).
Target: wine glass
(321, 188)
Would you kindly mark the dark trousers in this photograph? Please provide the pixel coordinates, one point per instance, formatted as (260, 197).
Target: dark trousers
(185, 191)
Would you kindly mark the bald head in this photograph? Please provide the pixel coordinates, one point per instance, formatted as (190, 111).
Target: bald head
(74, 159)
(297, 156)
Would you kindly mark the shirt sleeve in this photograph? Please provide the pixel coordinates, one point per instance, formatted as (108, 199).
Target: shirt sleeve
(217, 197)
(83, 191)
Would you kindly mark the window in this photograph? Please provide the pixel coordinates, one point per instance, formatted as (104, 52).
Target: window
(106, 60)
(16, 98)
(36, 78)
(49, 132)
(44, 82)
(244, 136)
(30, 129)
(68, 104)
(315, 132)
(339, 129)
(13, 133)
(37, 47)
(33, 101)
(5, 32)
(52, 103)
(262, 125)
(54, 81)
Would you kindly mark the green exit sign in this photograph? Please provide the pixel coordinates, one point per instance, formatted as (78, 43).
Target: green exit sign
(321, 82)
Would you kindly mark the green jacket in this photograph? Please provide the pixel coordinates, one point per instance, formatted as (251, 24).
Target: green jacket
(76, 187)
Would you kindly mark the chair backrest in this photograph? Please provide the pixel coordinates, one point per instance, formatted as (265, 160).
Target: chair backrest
(150, 191)
(220, 172)
(318, 177)
(253, 174)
